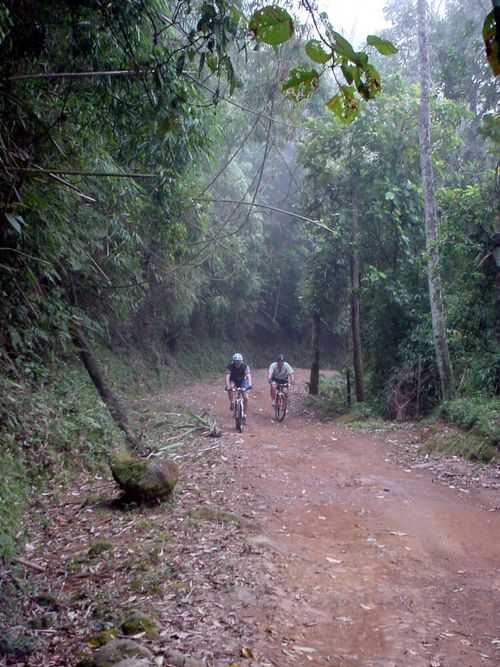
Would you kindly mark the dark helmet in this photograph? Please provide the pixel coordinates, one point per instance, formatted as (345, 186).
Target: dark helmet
(280, 357)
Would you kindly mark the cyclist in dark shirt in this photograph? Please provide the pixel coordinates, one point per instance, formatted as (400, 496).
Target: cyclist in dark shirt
(237, 374)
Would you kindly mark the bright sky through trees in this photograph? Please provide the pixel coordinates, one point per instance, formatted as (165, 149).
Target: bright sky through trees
(355, 19)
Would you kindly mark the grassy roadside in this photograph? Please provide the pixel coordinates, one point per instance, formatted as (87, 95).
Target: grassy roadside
(466, 427)
(54, 425)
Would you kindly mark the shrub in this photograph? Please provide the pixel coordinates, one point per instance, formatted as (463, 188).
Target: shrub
(479, 415)
(331, 398)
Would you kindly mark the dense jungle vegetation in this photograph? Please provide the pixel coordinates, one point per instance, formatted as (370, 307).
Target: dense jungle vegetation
(178, 183)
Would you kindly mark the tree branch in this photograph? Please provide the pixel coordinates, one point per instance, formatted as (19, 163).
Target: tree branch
(269, 208)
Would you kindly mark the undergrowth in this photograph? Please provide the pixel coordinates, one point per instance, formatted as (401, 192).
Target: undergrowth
(453, 440)
(50, 427)
(332, 401)
(331, 398)
(479, 415)
(476, 435)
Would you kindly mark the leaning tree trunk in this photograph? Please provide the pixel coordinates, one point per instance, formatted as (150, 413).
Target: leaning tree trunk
(97, 377)
(356, 301)
(433, 270)
(314, 377)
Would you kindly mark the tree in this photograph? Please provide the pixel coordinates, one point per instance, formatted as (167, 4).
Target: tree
(356, 297)
(433, 266)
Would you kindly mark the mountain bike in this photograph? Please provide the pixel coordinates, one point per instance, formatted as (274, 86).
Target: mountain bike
(281, 401)
(240, 418)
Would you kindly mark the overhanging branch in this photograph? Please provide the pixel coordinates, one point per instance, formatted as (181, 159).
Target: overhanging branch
(269, 208)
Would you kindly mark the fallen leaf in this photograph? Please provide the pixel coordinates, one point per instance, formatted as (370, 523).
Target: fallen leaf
(305, 649)
(333, 560)
(247, 652)
(397, 533)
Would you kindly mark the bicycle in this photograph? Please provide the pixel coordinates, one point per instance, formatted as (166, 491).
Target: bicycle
(240, 418)
(281, 401)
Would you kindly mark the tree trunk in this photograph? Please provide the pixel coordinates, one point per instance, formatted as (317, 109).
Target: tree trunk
(356, 301)
(433, 270)
(97, 377)
(348, 387)
(314, 378)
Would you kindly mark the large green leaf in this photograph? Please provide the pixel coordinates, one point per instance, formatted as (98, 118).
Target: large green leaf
(271, 25)
(317, 53)
(383, 46)
(342, 47)
(301, 83)
(345, 104)
(491, 31)
(350, 73)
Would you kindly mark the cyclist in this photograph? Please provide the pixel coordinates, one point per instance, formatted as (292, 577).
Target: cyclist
(279, 373)
(237, 374)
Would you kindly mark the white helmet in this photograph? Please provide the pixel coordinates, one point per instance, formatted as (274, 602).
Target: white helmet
(237, 357)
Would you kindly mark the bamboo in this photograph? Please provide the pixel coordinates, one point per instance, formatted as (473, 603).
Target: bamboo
(74, 172)
(74, 75)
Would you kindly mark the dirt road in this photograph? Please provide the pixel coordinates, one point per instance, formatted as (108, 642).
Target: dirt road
(294, 543)
(374, 563)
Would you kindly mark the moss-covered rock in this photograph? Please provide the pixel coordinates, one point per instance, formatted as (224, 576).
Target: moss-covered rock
(138, 622)
(114, 652)
(99, 547)
(143, 480)
(104, 637)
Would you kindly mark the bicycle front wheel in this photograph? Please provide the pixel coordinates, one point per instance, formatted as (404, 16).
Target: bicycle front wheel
(238, 416)
(280, 407)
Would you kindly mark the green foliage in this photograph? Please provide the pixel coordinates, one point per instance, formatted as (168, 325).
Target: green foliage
(271, 25)
(383, 46)
(479, 415)
(51, 428)
(332, 398)
(316, 52)
(456, 442)
(14, 485)
(301, 83)
(491, 30)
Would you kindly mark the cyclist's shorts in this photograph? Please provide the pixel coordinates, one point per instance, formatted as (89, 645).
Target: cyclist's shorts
(281, 383)
(244, 384)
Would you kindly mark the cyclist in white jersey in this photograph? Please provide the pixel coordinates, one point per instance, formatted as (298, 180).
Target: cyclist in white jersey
(279, 373)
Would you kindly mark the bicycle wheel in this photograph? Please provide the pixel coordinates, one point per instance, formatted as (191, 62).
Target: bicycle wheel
(238, 415)
(280, 407)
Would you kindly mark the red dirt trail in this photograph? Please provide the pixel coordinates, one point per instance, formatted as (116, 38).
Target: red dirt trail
(374, 563)
(320, 545)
